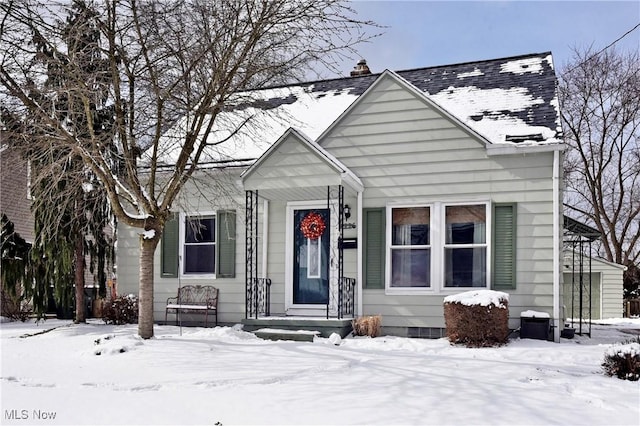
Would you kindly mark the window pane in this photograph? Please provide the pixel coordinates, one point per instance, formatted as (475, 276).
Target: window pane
(410, 226)
(200, 230)
(466, 224)
(199, 258)
(466, 267)
(410, 267)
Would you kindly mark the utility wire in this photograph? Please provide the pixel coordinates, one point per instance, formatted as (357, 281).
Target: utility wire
(604, 48)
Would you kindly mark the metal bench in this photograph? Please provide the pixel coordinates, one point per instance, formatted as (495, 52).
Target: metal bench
(194, 298)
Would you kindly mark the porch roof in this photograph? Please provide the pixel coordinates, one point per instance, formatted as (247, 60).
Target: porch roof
(297, 168)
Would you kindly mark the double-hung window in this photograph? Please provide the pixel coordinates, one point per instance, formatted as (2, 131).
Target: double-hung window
(465, 246)
(410, 247)
(437, 246)
(200, 245)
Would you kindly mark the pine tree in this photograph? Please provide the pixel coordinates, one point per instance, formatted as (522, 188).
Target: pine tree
(71, 211)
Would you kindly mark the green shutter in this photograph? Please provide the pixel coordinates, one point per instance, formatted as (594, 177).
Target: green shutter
(226, 244)
(504, 246)
(374, 247)
(169, 247)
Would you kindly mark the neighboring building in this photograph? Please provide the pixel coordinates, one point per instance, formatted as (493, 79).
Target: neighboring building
(15, 199)
(594, 290)
(378, 194)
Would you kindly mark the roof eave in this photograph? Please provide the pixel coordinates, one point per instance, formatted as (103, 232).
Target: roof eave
(511, 149)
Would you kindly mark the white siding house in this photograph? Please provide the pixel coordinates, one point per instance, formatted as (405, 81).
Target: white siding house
(381, 194)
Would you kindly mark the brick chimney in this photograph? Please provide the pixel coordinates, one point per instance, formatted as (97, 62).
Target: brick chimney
(360, 69)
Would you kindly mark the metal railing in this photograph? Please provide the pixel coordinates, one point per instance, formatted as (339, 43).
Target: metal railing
(259, 297)
(346, 296)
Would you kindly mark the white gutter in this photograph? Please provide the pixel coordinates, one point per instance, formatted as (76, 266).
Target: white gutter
(265, 236)
(557, 214)
(360, 251)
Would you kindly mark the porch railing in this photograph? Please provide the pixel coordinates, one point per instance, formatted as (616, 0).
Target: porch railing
(346, 297)
(259, 297)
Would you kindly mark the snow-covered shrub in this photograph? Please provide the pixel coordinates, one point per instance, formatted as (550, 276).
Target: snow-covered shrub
(121, 310)
(623, 360)
(477, 318)
(367, 326)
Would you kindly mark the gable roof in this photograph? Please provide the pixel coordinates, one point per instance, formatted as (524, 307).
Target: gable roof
(346, 175)
(508, 102)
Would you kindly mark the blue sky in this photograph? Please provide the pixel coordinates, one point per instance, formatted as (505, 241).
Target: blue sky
(428, 33)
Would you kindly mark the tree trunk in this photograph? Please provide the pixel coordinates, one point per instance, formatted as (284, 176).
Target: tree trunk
(79, 279)
(145, 296)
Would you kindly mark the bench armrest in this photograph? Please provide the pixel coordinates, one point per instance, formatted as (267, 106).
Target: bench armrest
(174, 299)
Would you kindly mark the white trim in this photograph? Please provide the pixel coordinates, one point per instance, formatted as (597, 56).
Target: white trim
(347, 176)
(510, 149)
(265, 238)
(388, 249)
(437, 246)
(181, 237)
(360, 253)
(318, 258)
(557, 241)
(416, 92)
(303, 309)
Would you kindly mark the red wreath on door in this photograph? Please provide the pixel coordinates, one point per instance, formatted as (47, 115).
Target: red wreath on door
(312, 226)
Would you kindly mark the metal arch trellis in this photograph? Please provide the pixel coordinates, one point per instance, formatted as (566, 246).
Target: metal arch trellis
(257, 290)
(579, 238)
(335, 205)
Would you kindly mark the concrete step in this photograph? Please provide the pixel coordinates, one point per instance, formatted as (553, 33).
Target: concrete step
(280, 334)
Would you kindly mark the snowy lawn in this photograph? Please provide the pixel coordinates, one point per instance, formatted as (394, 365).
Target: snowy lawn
(101, 374)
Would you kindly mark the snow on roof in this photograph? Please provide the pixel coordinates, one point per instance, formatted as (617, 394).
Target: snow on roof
(479, 297)
(511, 101)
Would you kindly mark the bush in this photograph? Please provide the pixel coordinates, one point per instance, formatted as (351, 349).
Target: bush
(473, 321)
(13, 307)
(623, 360)
(121, 310)
(367, 326)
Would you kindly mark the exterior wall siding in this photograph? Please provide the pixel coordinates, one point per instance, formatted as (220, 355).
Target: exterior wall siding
(413, 155)
(231, 307)
(403, 150)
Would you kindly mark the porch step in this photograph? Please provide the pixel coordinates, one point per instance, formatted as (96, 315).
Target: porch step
(324, 327)
(279, 334)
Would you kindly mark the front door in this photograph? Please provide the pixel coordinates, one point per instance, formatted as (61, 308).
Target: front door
(311, 235)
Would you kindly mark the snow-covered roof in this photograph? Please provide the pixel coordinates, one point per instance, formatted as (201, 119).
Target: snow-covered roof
(509, 101)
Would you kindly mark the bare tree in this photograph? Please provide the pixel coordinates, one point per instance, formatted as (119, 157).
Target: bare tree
(600, 106)
(172, 65)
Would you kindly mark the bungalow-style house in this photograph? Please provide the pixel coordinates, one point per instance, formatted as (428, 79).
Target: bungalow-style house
(378, 194)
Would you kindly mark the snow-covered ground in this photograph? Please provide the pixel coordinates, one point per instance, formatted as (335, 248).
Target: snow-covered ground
(55, 372)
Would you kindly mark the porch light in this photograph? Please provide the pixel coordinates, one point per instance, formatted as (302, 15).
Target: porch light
(346, 210)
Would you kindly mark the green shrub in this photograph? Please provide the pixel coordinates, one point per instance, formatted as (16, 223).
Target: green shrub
(121, 310)
(623, 360)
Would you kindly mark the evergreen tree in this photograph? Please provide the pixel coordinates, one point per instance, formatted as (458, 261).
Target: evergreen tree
(71, 211)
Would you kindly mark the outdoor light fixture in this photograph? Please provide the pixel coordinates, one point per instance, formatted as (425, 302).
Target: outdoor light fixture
(346, 210)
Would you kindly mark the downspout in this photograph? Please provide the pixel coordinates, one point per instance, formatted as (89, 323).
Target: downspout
(360, 251)
(557, 214)
(265, 236)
